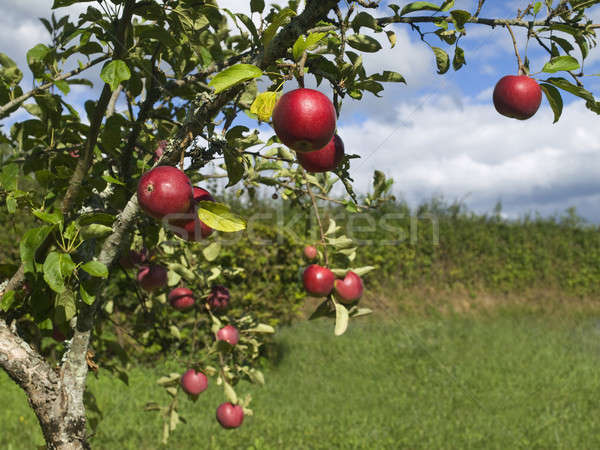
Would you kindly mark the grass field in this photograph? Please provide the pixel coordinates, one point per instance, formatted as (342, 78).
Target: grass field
(501, 380)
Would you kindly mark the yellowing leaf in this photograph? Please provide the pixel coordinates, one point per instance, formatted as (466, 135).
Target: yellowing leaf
(263, 105)
(219, 217)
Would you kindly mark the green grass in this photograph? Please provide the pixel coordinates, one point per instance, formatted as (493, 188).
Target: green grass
(503, 381)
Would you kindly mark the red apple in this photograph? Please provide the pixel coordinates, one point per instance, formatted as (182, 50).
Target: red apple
(318, 280)
(194, 382)
(160, 149)
(132, 258)
(164, 190)
(304, 120)
(350, 288)
(58, 335)
(181, 298)
(229, 415)
(325, 159)
(310, 252)
(152, 277)
(192, 228)
(218, 299)
(228, 333)
(517, 96)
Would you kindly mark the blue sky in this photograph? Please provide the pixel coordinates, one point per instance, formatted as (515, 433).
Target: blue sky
(440, 135)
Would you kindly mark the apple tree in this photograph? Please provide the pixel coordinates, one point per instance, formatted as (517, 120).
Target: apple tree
(111, 184)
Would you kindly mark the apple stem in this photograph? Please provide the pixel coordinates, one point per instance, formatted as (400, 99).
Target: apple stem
(522, 70)
(316, 208)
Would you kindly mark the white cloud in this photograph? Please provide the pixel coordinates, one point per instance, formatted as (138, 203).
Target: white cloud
(439, 148)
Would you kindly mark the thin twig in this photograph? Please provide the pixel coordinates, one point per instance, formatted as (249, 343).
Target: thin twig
(38, 90)
(519, 60)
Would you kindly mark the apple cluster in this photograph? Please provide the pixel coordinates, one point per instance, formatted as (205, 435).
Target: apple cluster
(305, 120)
(320, 281)
(195, 382)
(166, 193)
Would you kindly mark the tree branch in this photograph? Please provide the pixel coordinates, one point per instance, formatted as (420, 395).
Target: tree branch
(383, 21)
(4, 109)
(85, 161)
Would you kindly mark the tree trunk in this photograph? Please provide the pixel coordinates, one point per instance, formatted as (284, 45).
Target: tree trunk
(55, 395)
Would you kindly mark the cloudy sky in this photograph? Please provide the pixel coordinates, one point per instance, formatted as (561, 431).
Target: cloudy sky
(440, 135)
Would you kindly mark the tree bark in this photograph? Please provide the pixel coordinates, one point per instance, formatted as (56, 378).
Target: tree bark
(56, 396)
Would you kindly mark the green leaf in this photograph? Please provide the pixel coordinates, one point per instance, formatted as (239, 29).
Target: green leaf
(95, 231)
(554, 98)
(63, 3)
(53, 218)
(37, 54)
(8, 177)
(341, 319)
(460, 17)
(65, 308)
(459, 58)
(96, 269)
(53, 273)
(234, 165)
(114, 73)
(229, 392)
(392, 38)
(112, 180)
(183, 271)
(262, 328)
(234, 75)
(537, 7)
(570, 87)
(257, 6)
(389, 76)
(422, 6)
(360, 271)
(85, 292)
(67, 266)
(303, 44)
(559, 63)
(102, 218)
(30, 243)
(11, 204)
(278, 21)
(442, 60)
(263, 105)
(218, 216)
(364, 19)
(364, 43)
(211, 252)
(7, 300)
(359, 312)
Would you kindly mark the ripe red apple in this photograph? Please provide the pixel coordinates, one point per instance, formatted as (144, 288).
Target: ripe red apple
(194, 382)
(192, 228)
(517, 96)
(229, 415)
(324, 159)
(164, 190)
(310, 252)
(218, 299)
(181, 298)
(304, 120)
(350, 288)
(318, 280)
(228, 333)
(152, 277)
